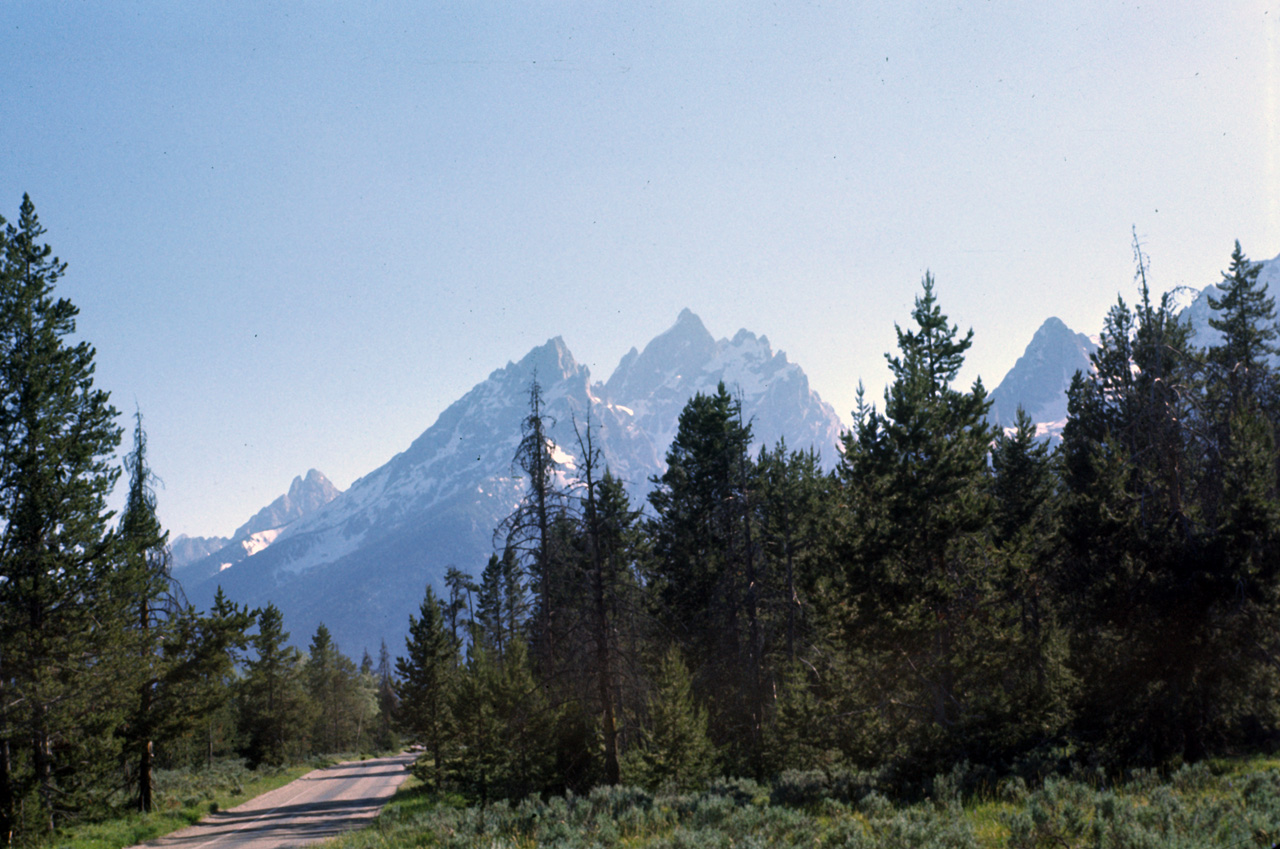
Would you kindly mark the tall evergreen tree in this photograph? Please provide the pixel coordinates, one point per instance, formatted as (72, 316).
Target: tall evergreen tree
(915, 477)
(502, 604)
(338, 694)
(1246, 317)
(528, 530)
(205, 652)
(145, 566)
(1140, 566)
(610, 593)
(61, 610)
(388, 701)
(427, 677)
(704, 569)
(276, 714)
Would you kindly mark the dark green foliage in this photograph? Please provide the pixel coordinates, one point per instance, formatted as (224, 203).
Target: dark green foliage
(705, 575)
(676, 752)
(1246, 317)
(343, 696)
(275, 715)
(386, 738)
(145, 566)
(63, 602)
(202, 654)
(933, 622)
(504, 726)
(1166, 464)
(425, 690)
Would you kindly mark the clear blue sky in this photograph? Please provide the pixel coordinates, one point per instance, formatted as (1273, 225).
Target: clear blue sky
(298, 231)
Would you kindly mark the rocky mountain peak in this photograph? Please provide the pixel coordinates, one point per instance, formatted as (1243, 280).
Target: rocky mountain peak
(305, 495)
(1039, 380)
(682, 349)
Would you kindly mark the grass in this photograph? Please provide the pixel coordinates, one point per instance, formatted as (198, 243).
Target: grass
(1228, 803)
(182, 798)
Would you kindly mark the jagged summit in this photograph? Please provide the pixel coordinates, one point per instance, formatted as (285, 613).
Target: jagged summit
(1039, 380)
(684, 348)
(304, 495)
(551, 360)
(198, 560)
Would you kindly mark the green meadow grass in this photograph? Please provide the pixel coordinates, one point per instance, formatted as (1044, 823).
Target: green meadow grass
(182, 798)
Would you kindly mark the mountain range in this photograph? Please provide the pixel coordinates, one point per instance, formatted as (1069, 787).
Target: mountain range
(359, 560)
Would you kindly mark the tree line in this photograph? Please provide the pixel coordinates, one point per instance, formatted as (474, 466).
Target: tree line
(951, 593)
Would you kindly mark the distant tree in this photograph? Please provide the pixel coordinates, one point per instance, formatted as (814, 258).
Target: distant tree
(338, 694)
(502, 604)
(459, 609)
(204, 654)
(276, 714)
(388, 701)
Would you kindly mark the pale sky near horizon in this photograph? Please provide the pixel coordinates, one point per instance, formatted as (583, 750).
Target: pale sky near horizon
(298, 231)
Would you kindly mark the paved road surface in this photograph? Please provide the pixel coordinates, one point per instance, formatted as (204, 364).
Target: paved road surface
(321, 804)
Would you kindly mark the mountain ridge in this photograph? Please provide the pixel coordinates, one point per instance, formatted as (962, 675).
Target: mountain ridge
(360, 562)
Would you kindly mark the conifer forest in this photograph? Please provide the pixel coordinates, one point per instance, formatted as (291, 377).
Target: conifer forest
(952, 599)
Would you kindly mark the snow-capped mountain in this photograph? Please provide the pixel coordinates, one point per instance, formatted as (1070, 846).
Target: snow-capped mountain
(305, 496)
(361, 562)
(1039, 380)
(1199, 313)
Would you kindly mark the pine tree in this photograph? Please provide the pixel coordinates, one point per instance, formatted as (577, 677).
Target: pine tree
(1246, 317)
(704, 573)
(204, 653)
(145, 552)
(502, 604)
(505, 727)
(676, 751)
(528, 530)
(915, 480)
(1136, 566)
(61, 612)
(426, 679)
(388, 702)
(276, 714)
(610, 592)
(335, 688)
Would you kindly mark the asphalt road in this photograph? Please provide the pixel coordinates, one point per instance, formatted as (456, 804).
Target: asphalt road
(319, 805)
